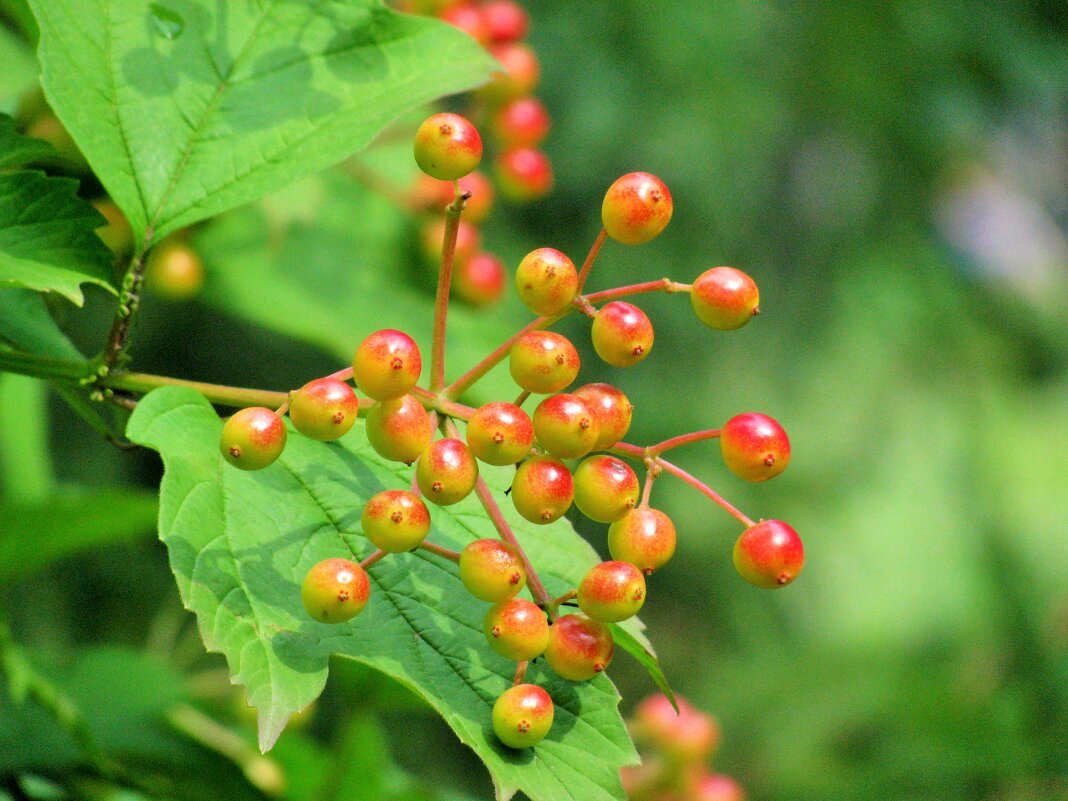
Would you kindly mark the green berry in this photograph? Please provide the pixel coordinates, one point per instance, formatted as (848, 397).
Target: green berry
(395, 520)
(522, 716)
(622, 334)
(398, 429)
(491, 570)
(754, 446)
(579, 648)
(645, 538)
(769, 554)
(447, 146)
(606, 488)
(387, 364)
(253, 438)
(516, 629)
(636, 208)
(446, 472)
(565, 426)
(542, 489)
(612, 410)
(612, 591)
(546, 281)
(543, 362)
(500, 433)
(335, 590)
(324, 409)
(724, 298)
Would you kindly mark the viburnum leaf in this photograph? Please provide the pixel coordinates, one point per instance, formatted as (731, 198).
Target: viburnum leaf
(240, 544)
(185, 109)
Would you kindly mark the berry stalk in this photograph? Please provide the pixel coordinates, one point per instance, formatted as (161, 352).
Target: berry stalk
(705, 490)
(682, 439)
(445, 553)
(374, 557)
(663, 285)
(591, 257)
(441, 301)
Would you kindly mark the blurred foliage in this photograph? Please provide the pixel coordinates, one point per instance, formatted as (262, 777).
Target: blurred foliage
(917, 358)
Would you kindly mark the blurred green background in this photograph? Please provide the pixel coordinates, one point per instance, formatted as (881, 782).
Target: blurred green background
(894, 177)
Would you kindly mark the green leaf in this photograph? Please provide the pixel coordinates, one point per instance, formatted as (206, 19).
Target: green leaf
(47, 241)
(16, 149)
(186, 108)
(19, 72)
(640, 649)
(34, 535)
(240, 545)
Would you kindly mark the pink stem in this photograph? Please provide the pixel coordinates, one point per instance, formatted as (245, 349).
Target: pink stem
(707, 491)
(537, 589)
(370, 560)
(461, 384)
(520, 673)
(663, 285)
(452, 556)
(591, 257)
(441, 301)
(682, 439)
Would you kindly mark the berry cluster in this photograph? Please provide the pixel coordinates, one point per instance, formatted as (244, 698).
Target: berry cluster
(587, 424)
(676, 747)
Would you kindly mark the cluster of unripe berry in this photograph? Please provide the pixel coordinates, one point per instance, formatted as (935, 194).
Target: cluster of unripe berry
(587, 423)
(676, 746)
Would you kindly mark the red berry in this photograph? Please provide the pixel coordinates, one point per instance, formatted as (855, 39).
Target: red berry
(324, 409)
(612, 591)
(579, 648)
(622, 334)
(769, 554)
(717, 787)
(724, 298)
(447, 146)
(387, 364)
(500, 433)
(542, 489)
(565, 426)
(434, 195)
(446, 472)
(754, 446)
(612, 410)
(468, 242)
(606, 488)
(395, 520)
(636, 208)
(479, 281)
(688, 736)
(543, 362)
(253, 438)
(522, 716)
(524, 174)
(491, 570)
(546, 281)
(523, 122)
(516, 629)
(645, 538)
(469, 19)
(398, 429)
(506, 20)
(335, 590)
(520, 74)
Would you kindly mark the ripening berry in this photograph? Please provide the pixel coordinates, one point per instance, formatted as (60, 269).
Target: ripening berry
(491, 570)
(253, 438)
(565, 426)
(523, 174)
(542, 489)
(612, 410)
(645, 538)
(622, 334)
(636, 208)
(612, 591)
(500, 433)
(579, 648)
(724, 298)
(717, 787)
(688, 736)
(434, 195)
(516, 629)
(519, 76)
(480, 280)
(174, 270)
(395, 520)
(468, 242)
(469, 19)
(606, 488)
(506, 20)
(523, 122)
(447, 146)
(324, 409)
(769, 554)
(398, 429)
(446, 472)
(523, 715)
(543, 362)
(754, 446)
(387, 364)
(335, 590)
(546, 281)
